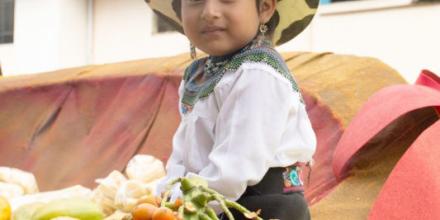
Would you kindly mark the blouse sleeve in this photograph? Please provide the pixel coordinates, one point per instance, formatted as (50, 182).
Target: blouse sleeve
(174, 166)
(249, 128)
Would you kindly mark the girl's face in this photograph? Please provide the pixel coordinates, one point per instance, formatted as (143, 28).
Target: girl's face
(220, 27)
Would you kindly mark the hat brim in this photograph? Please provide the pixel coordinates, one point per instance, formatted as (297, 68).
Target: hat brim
(294, 16)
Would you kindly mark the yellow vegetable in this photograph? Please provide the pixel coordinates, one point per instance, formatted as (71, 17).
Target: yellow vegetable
(76, 208)
(5, 209)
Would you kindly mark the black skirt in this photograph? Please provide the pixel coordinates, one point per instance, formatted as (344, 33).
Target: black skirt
(274, 199)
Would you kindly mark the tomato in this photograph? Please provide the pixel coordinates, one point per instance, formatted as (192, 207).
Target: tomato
(164, 214)
(144, 211)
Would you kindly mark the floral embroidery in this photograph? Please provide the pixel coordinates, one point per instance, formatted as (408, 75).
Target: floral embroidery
(292, 180)
(185, 108)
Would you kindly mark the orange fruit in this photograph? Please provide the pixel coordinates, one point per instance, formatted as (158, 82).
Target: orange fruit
(164, 213)
(144, 211)
(178, 203)
(158, 200)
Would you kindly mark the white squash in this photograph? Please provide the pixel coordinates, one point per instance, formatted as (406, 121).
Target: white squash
(22, 178)
(145, 168)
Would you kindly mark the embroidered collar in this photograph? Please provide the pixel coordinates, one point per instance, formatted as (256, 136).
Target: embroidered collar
(213, 64)
(202, 75)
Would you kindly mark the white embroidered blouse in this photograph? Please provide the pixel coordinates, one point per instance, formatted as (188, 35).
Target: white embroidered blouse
(250, 122)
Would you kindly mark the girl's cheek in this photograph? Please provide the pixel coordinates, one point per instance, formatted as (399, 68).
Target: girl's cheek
(189, 15)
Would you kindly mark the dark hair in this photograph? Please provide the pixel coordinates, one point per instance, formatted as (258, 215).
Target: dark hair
(273, 21)
(272, 24)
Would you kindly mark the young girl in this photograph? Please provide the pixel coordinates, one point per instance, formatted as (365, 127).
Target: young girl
(244, 126)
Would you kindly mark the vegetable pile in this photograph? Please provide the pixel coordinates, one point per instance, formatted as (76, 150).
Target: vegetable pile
(118, 196)
(193, 205)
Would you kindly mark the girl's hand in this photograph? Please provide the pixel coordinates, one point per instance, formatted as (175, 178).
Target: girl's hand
(162, 187)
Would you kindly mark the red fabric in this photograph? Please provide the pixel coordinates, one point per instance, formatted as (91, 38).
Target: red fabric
(412, 191)
(167, 119)
(328, 130)
(75, 132)
(72, 133)
(380, 110)
(413, 187)
(429, 79)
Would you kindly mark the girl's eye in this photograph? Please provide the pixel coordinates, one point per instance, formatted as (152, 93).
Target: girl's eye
(194, 1)
(202, 1)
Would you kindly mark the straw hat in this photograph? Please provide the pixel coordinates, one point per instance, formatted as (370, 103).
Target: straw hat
(293, 16)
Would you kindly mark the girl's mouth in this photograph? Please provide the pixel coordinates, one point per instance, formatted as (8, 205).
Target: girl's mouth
(212, 30)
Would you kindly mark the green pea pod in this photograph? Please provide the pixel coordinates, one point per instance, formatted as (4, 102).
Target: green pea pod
(211, 213)
(197, 195)
(191, 182)
(191, 216)
(204, 216)
(201, 199)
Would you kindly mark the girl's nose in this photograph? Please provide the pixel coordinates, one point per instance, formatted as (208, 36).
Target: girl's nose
(210, 10)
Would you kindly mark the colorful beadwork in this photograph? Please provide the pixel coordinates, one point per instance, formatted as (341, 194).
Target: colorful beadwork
(292, 180)
(211, 70)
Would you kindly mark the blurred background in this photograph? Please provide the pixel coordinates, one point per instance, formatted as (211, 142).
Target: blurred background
(45, 35)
